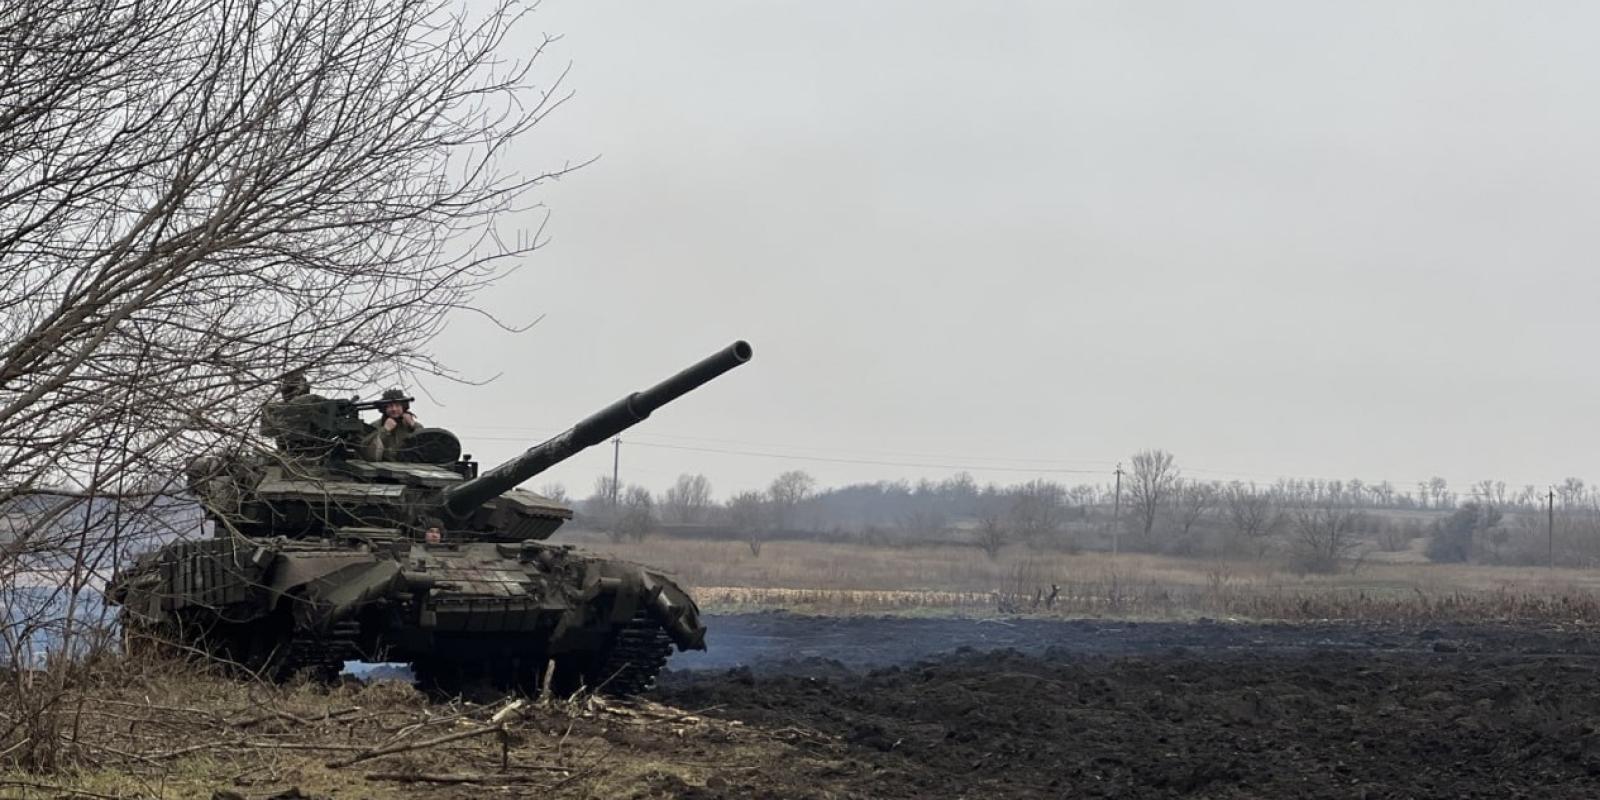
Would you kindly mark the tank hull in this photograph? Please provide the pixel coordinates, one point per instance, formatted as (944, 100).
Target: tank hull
(525, 615)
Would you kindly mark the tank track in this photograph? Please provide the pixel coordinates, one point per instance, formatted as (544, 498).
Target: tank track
(627, 666)
(320, 656)
(634, 659)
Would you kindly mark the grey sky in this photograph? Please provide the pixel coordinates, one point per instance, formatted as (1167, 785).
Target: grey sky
(1336, 240)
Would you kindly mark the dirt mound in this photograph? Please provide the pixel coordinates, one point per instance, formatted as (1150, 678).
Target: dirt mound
(1331, 723)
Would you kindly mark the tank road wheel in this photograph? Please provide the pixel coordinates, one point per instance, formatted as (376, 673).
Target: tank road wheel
(518, 674)
(272, 649)
(627, 666)
(257, 649)
(441, 677)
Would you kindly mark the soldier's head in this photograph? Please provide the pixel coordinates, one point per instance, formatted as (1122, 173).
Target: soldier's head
(294, 384)
(394, 403)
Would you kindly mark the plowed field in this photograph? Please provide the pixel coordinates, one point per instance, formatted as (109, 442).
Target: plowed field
(1156, 710)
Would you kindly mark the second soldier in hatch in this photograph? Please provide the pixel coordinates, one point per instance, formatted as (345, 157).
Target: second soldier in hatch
(393, 428)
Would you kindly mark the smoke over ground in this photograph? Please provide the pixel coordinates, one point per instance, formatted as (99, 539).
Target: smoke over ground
(780, 642)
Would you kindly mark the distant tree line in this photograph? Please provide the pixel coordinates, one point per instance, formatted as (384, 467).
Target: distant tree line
(1312, 524)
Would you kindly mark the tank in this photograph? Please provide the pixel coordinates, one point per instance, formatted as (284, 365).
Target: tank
(319, 556)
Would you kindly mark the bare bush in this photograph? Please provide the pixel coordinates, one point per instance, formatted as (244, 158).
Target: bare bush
(1393, 537)
(1325, 535)
(1028, 588)
(750, 515)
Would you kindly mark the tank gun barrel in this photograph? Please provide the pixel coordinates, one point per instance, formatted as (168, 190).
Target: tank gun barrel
(460, 499)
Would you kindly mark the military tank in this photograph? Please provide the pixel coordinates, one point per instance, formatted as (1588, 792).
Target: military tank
(320, 556)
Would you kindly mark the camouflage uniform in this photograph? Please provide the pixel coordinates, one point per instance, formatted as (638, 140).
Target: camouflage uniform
(385, 445)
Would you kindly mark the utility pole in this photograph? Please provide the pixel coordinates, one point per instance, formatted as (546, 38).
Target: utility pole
(616, 464)
(1116, 514)
(1550, 526)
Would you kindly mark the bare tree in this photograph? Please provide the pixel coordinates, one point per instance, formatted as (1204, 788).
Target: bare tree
(1358, 489)
(199, 198)
(992, 533)
(1571, 492)
(750, 515)
(1529, 497)
(1325, 534)
(1439, 489)
(923, 525)
(555, 492)
(687, 500)
(1384, 492)
(602, 509)
(1490, 492)
(636, 515)
(786, 494)
(1193, 500)
(1037, 512)
(202, 197)
(1154, 478)
(1255, 515)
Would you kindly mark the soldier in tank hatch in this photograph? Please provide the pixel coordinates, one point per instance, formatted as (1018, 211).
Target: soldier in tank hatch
(294, 384)
(393, 428)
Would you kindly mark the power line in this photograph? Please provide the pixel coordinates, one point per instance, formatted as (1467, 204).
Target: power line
(948, 462)
(813, 448)
(871, 462)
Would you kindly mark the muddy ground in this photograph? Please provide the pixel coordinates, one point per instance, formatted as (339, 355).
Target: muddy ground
(1109, 709)
(785, 706)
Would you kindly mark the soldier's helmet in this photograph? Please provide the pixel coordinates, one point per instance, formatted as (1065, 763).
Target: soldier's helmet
(395, 395)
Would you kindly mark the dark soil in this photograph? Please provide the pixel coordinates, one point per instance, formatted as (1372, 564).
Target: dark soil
(1166, 710)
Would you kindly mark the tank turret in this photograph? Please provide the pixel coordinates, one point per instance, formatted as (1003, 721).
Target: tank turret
(320, 482)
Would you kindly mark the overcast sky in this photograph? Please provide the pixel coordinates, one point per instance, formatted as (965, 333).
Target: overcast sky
(1332, 240)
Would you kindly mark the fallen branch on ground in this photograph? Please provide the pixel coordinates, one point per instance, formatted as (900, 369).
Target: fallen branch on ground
(288, 717)
(62, 791)
(401, 748)
(462, 777)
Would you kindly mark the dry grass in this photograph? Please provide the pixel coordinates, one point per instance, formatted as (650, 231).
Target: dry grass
(143, 729)
(847, 578)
